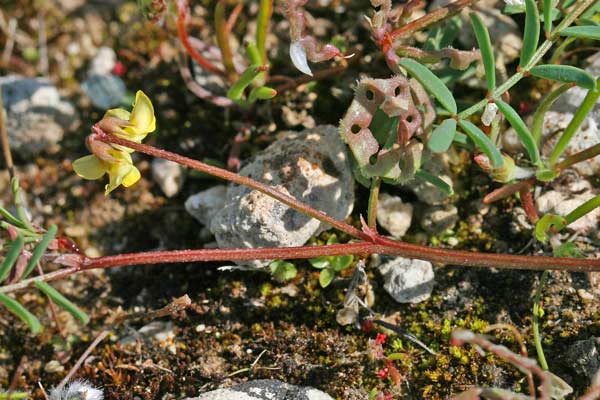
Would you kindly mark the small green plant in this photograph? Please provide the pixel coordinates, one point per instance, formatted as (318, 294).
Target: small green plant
(25, 252)
(330, 265)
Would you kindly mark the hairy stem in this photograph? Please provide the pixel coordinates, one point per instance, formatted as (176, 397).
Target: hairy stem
(578, 157)
(240, 180)
(430, 18)
(377, 245)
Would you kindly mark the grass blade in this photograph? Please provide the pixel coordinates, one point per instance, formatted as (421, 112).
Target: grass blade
(442, 136)
(582, 32)
(16, 308)
(11, 218)
(39, 251)
(487, 52)
(565, 74)
(524, 134)
(483, 142)
(11, 257)
(63, 302)
(431, 83)
(531, 35)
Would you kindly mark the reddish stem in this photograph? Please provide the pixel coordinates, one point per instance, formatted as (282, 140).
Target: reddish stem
(185, 41)
(235, 178)
(528, 206)
(507, 190)
(430, 18)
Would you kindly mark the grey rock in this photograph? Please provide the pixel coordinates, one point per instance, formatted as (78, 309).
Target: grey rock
(104, 91)
(563, 203)
(264, 389)
(204, 205)
(394, 215)
(36, 115)
(407, 280)
(436, 165)
(437, 219)
(169, 176)
(583, 358)
(311, 166)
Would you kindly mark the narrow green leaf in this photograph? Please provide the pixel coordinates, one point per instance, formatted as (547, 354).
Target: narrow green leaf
(326, 276)
(531, 35)
(524, 134)
(565, 74)
(548, 7)
(483, 142)
(11, 218)
(582, 32)
(431, 83)
(513, 9)
(248, 76)
(16, 308)
(442, 136)
(538, 118)
(63, 302)
(435, 180)
(262, 93)
(39, 251)
(11, 257)
(487, 52)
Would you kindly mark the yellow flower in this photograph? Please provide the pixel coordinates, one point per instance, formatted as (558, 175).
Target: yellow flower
(115, 160)
(134, 126)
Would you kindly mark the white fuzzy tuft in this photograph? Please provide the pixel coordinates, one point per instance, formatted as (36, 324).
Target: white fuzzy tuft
(76, 390)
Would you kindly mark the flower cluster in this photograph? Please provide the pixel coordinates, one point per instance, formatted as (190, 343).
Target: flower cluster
(115, 160)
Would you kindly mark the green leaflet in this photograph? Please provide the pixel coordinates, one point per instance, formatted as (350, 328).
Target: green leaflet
(487, 52)
(16, 308)
(11, 257)
(435, 181)
(582, 32)
(442, 136)
(564, 73)
(531, 35)
(326, 276)
(283, 270)
(39, 251)
(483, 142)
(524, 134)
(63, 302)
(431, 83)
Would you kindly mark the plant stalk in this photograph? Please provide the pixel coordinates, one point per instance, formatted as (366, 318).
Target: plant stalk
(236, 178)
(536, 321)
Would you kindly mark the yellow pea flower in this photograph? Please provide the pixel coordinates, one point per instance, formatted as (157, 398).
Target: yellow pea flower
(134, 126)
(121, 171)
(116, 160)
